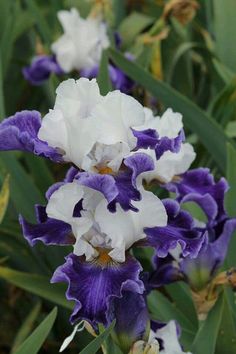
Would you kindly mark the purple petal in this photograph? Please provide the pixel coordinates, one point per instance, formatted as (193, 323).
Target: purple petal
(149, 139)
(49, 231)
(120, 188)
(126, 180)
(179, 229)
(146, 138)
(165, 272)
(92, 284)
(200, 271)
(40, 69)
(118, 79)
(167, 144)
(198, 186)
(19, 132)
(102, 183)
(129, 329)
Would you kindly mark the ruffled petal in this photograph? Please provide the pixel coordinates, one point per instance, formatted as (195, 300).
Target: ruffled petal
(126, 181)
(198, 186)
(149, 138)
(19, 132)
(121, 188)
(48, 230)
(92, 284)
(131, 328)
(179, 230)
(200, 271)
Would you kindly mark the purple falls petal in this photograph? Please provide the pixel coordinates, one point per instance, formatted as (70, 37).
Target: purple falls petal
(165, 272)
(200, 271)
(179, 230)
(198, 186)
(47, 230)
(126, 180)
(19, 132)
(41, 68)
(92, 284)
(132, 327)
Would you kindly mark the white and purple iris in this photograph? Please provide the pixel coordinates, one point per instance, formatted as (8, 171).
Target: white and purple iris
(115, 147)
(78, 49)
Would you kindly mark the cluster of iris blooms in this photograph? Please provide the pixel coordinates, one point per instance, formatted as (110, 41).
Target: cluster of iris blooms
(116, 149)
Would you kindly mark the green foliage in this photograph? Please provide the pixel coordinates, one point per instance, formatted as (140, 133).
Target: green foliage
(34, 342)
(188, 67)
(93, 346)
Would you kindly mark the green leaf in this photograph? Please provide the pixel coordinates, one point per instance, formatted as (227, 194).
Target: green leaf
(35, 341)
(103, 75)
(206, 337)
(223, 71)
(132, 25)
(231, 177)
(226, 339)
(24, 22)
(26, 327)
(231, 202)
(94, 346)
(40, 20)
(225, 31)
(4, 198)
(2, 104)
(39, 171)
(181, 295)
(164, 310)
(24, 193)
(38, 285)
(197, 120)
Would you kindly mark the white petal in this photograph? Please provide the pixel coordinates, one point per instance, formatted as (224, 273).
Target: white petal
(117, 114)
(81, 45)
(171, 344)
(126, 228)
(53, 130)
(170, 164)
(169, 124)
(77, 98)
(82, 247)
(62, 202)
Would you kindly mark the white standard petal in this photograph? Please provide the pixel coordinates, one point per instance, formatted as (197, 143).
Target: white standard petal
(53, 130)
(81, 45)
(170, 164)
(77, 98)
(116, 115)
(169, 124)
(62, 202)
(124, 228)
(169, 336)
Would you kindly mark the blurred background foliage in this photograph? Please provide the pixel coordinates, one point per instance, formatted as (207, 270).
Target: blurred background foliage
(185, 59)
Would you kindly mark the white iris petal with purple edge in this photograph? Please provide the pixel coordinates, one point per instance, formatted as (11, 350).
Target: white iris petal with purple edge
(81, 45)
(92, 131)
(97, 228)
(169, 337)
(170, 163)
